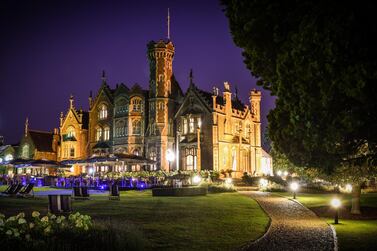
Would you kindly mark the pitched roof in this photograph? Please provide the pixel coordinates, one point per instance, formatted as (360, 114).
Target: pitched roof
(42, 140)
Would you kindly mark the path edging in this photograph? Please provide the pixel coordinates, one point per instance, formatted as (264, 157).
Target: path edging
(249, 244)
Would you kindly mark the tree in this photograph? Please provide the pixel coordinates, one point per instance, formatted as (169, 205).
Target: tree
(319, 59)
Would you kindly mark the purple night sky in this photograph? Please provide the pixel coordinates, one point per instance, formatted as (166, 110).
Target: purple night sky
(50, 49)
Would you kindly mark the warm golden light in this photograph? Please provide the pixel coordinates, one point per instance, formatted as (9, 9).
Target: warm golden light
(196, 179)
(294, 186)
(263, 183)
(170, 155)
(279, 173)
(335, 203)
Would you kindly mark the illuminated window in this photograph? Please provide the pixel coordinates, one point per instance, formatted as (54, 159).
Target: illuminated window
(99, 134)
(25, 151)
(189, 162)
(136, 152)
(8, 157)
(191, 125)
(153, 156)
(103, 112)
(71, 132)
(136, 104)
(106, 133)
(136, 127)
(185, 126)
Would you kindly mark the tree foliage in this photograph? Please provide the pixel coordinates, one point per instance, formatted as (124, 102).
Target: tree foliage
(319, 59)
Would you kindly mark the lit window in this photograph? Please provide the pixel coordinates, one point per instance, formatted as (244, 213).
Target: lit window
(185, 126)
(25, 151)
(8, 157)
(189, 162)
(99, 134)
(136, 127)
(153, 156)
(106, 133)
(136, 152)
(191, 124)
(136, 105)
(71, 132)
(103, 112)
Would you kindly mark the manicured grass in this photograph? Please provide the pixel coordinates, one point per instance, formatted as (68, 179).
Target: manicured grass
(213, 222)
(36, 189)
(352, 234)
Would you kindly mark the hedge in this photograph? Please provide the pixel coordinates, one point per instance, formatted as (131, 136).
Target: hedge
(182, 191)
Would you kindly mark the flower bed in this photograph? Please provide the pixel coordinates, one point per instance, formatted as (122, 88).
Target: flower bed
(51, 232)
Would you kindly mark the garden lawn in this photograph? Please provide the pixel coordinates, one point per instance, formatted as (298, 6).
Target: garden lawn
(352, 234)
(213, 222)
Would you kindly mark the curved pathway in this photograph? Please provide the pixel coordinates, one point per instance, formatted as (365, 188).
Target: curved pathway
(293, 226)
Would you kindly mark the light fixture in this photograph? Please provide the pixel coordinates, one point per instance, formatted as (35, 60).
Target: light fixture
(336, 203)
(196, 179)
(279, 173)
(286, 173)
(91, 170)
(263, 183)
(228, 182)
(294, 186)
(349, 188)
(170, 155)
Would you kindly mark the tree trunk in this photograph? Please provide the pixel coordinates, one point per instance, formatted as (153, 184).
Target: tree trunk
(356, 192)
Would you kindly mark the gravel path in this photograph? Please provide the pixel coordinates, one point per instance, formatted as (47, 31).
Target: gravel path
(293, 226)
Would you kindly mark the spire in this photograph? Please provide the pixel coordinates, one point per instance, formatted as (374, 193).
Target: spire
(71, 102)
(26, 126)
(168, 24)
(191, 77)
(61, 118)
(103, 76)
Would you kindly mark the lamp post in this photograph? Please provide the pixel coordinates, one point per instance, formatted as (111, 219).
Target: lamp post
(198, 156)
(335, 203)
(170, 157)
(294, 187)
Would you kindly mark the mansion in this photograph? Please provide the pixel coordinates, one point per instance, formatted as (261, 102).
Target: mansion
(170, 128)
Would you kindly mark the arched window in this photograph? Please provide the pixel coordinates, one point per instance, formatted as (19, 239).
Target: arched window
(189, 162)
(106, 133)
(25, 151)
(120, 129)
(121, 106)
(102, 111)
(136, 127)
(136, 104)
(136, 152)
(99, 134)
(71, 132)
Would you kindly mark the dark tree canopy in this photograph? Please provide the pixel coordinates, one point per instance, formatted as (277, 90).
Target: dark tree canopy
(319, 59)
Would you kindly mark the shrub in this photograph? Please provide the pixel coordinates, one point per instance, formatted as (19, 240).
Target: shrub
(220, 188)
(277, 179)
(182, 191)
(250, 180)
(74, 232)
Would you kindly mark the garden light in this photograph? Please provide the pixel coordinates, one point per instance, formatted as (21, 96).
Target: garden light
(196, 179)
(263, 183)
(91, 170)
(228, 182)
(335, 203)
(286, 173)
(294, 187)
(279, 173)
(349, 188)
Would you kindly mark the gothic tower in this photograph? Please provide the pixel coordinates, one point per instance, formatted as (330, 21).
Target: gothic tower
(161, 102)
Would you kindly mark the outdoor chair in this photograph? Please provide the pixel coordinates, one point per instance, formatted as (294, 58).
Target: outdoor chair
(59, 204)
(10, 188)
(16, 190)
(114, 192)
(27, 191)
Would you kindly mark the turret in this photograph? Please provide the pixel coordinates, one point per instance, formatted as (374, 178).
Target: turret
(255, 99)
(228, 107)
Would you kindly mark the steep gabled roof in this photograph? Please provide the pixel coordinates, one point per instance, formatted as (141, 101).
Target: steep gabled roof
(42, 140)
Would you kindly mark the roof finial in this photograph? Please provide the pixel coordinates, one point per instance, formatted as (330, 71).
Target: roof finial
(26, 126)
(103, 76)
(168, 24)
(71, 102)
(191, 77)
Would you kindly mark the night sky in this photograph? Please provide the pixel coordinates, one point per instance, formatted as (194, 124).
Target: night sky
(51, 49)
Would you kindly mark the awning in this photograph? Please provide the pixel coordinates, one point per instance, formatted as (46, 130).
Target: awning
(112, 159)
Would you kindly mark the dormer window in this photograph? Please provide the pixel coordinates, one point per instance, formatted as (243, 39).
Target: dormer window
(106, 133)
(191, 124)
(102, 112)
(98, 134)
